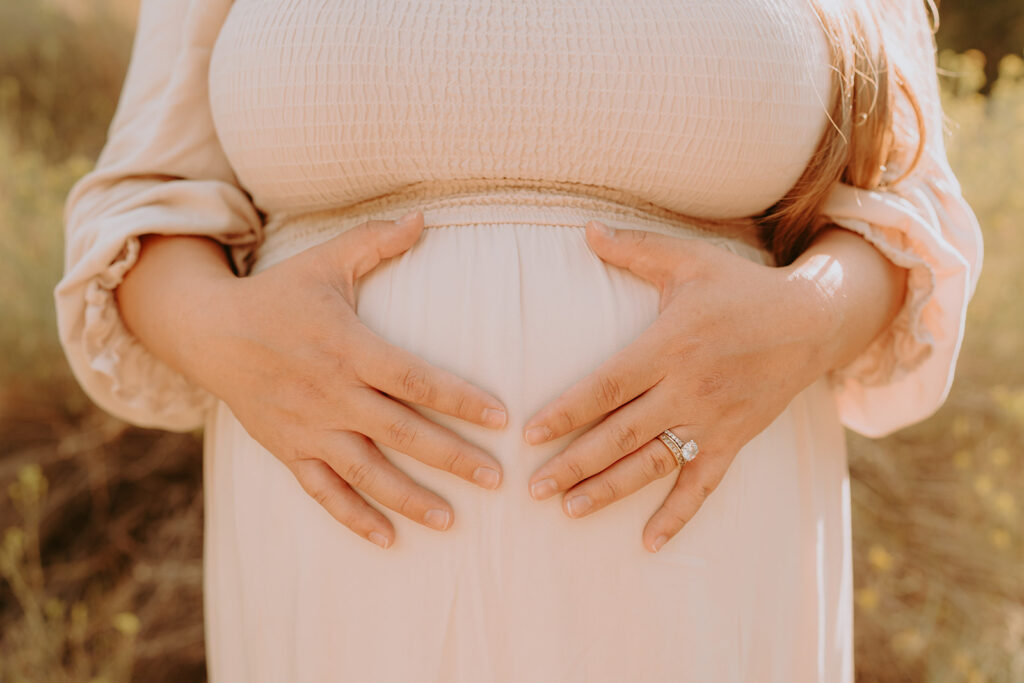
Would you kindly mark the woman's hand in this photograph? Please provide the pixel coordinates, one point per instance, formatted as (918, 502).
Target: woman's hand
(734, 343)
(308, 380)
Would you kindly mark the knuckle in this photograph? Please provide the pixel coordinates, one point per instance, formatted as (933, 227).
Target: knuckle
(607, 391)
(416, 385)
(625, 438)
(659, 463)
(327, 497)
(565, 420)
(704, 489)
(463, 405)
(402, 433)
(353, 520)
(677, 518)
(322, 495)
(360, 474)
(404, 504)
(576, 470)
(454, 461)
(610, 490)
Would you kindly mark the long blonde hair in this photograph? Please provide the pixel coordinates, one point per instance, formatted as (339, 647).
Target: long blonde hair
(869, 137)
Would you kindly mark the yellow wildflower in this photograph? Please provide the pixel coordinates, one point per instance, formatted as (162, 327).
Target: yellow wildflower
(867, 598)
(1000, 457)
(880, 558)
(983, 484)
(1006, 504)
(1000, 538)
(962, 459)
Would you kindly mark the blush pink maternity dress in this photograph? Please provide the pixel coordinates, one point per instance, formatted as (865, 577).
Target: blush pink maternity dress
(271, 126)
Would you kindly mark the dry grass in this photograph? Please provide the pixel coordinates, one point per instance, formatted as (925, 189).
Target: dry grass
(100, 557)
(939, 551)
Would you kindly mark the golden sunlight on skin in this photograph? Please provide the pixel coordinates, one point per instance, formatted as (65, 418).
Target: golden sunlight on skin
(851, 278)
(825, 271)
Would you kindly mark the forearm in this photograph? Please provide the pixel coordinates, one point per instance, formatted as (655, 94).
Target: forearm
(163, 297)
(855, 291)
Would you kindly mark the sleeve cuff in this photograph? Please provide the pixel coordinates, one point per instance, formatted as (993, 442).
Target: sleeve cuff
(906, 372)
(143, 389)
(908, 340)
(112, 365)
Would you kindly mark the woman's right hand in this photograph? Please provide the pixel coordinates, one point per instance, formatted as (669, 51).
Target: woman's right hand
(314, 385)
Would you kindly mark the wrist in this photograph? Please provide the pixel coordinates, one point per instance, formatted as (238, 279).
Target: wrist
(850, 291)
(175, 294)
(811, 295)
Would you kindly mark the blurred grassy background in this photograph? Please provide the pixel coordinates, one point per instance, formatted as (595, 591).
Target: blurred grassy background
(100, 558)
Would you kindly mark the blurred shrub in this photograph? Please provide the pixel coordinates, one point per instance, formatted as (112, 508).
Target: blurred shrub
(938, 525)
(61, 71)
(994, 27)
(31, 205)
(51, 640)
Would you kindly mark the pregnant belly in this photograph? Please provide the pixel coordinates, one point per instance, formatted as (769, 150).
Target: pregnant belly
(504, 291)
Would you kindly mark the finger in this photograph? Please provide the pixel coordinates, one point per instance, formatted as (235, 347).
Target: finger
(403, 374)
(345, 505)
(404, 429)
(619, 379)
(618, 435)
(651, 255)
(696, 482)
(650, 462)
(364, 247)
(360, 463)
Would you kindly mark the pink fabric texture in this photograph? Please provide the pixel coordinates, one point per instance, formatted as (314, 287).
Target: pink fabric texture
(252, 122)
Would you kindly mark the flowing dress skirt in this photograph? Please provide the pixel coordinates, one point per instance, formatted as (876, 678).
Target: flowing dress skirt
(503, 290)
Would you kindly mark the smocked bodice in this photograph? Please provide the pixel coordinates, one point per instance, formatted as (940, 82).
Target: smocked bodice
(711, 108)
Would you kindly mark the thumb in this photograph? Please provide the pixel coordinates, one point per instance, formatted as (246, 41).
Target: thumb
(363, 247)
(645, 253)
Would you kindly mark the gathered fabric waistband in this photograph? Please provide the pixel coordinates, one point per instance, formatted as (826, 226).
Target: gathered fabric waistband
(488, 201)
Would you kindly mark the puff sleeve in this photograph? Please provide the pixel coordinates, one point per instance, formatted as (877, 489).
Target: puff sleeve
(924, 224)
(161, 171)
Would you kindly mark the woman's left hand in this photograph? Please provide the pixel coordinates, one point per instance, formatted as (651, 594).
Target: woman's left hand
(735, 341)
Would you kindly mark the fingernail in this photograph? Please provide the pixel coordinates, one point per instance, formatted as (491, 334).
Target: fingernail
(379, 538)
(407, 219)
(659, 541)
(603, 229)
(536, 435)
(438, 519)
(487, 477)
(543, 488)
(579, 504)
(494, 417)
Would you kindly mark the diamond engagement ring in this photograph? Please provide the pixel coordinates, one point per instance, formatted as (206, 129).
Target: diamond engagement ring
(684, 452)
